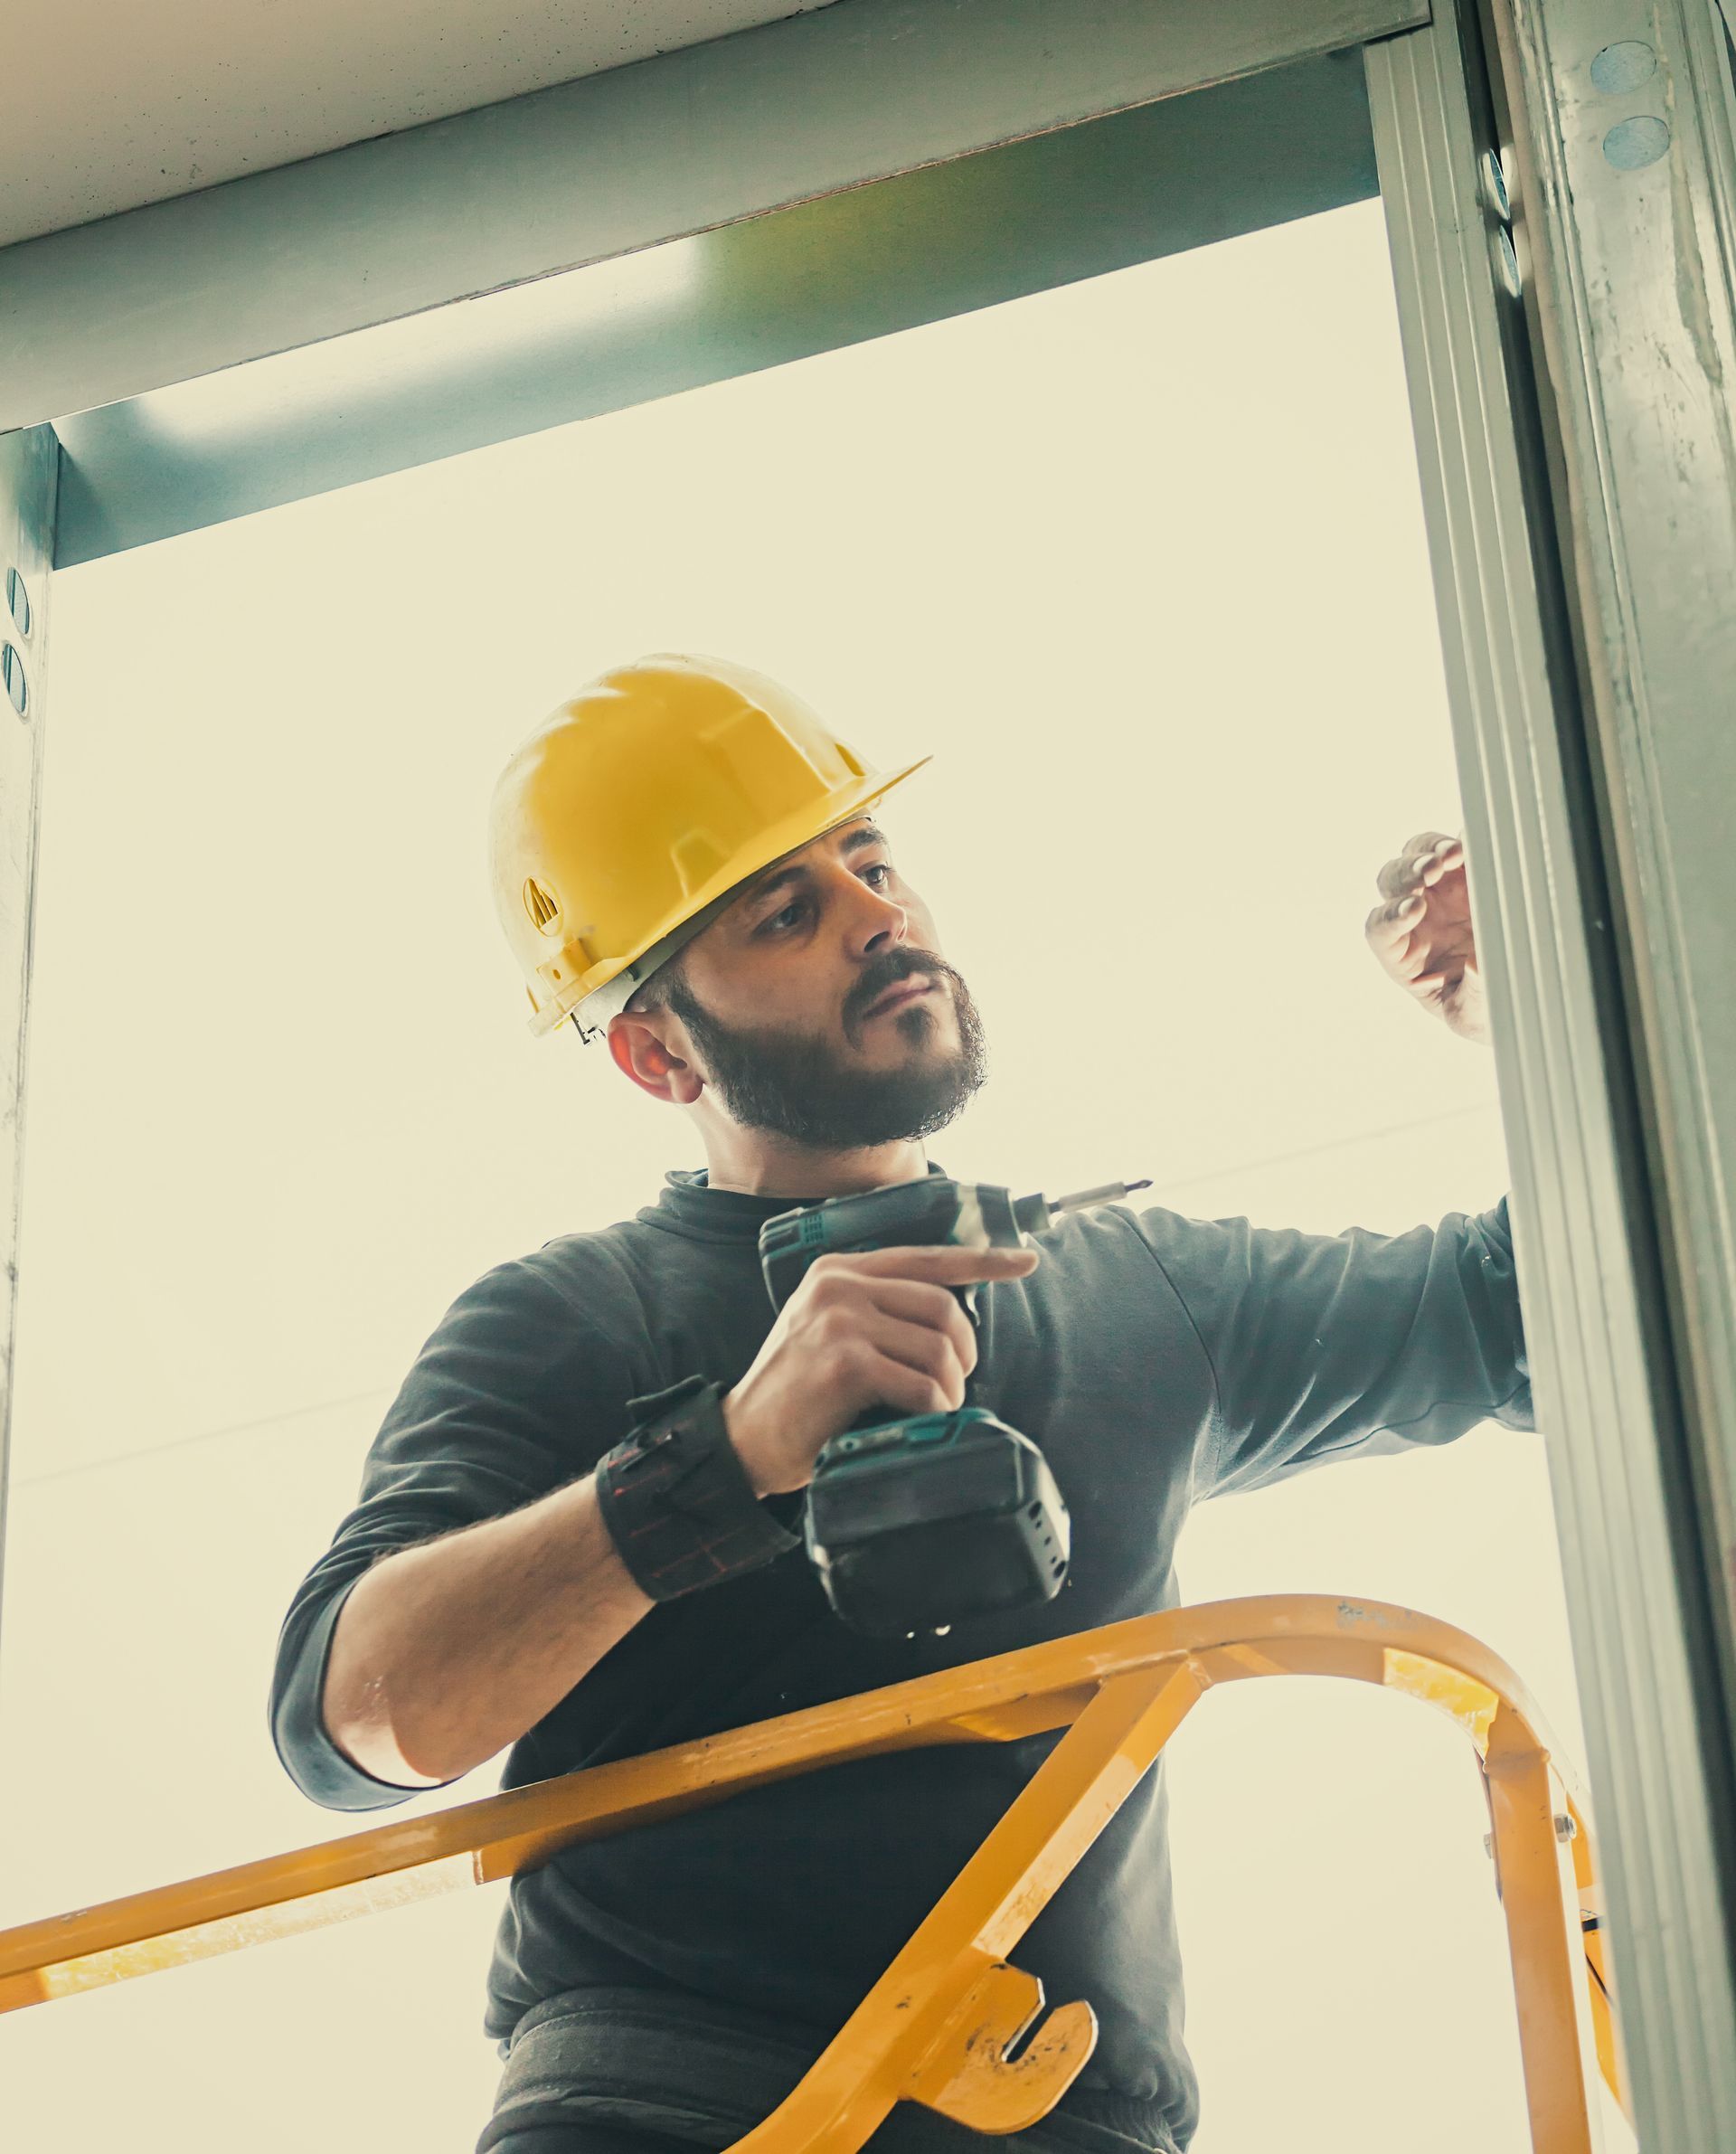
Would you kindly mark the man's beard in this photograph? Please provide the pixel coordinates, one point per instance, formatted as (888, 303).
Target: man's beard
(800, 1089)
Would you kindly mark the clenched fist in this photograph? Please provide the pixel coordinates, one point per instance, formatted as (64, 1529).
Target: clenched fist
(866, 1328)
(1422, 935)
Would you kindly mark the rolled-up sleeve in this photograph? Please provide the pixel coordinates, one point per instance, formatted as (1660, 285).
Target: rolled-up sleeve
(1322, 1346)
(515, 1395)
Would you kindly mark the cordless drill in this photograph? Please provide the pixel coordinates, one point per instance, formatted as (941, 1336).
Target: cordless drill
(913, 1524)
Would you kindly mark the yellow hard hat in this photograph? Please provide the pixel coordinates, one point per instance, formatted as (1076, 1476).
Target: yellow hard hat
(622, 825)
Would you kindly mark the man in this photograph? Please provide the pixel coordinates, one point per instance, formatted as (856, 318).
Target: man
(683, 857)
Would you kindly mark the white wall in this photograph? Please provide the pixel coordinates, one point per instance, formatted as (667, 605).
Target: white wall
(1141, 561)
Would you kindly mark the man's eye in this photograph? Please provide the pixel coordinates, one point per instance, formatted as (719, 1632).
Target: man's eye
(801, 905)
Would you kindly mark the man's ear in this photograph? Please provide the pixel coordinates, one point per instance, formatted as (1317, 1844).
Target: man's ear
(636, 1048)
(641, 1055)
(620, 1046)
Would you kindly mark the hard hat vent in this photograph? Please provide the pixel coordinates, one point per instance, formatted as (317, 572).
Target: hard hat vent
(545, 914)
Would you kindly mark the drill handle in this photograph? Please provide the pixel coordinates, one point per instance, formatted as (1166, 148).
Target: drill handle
(875, 1417)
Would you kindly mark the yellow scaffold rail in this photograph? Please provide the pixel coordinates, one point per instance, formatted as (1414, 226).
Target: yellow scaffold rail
(936, 2027)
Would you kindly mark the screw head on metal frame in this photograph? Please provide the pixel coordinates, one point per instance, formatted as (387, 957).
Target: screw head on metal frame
(1506, 263)
(12, 671)
(1495, 186)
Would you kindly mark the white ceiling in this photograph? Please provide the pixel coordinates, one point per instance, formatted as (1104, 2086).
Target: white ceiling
(107, 105)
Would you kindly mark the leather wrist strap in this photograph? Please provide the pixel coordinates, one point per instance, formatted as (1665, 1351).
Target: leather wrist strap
(676, 1499)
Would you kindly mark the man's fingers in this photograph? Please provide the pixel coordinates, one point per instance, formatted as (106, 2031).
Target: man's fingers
(947, 1261)
(1388, 926)
(1396, 933)
(1422, 936)
(1400, 875)
(1428, 965)
(1428, 857)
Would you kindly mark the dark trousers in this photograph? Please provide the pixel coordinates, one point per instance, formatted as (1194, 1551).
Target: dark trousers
(633, 2071)
(589, 2139)
(606, 2138)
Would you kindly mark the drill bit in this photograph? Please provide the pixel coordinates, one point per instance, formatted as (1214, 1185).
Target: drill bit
(1106, 1193)
(1033, 1214)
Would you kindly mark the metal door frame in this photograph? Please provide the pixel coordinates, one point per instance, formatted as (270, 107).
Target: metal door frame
(1480, 125)
(1569, 315)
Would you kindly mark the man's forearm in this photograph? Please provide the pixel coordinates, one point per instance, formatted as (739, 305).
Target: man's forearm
(446, 1653)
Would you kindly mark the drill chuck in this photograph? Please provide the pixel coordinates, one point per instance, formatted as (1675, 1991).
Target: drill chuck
(932, 1209)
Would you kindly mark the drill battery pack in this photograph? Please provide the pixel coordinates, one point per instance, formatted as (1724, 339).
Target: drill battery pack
(914, 1522)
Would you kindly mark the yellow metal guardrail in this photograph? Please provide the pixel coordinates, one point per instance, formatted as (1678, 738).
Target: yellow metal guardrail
(937, 2027)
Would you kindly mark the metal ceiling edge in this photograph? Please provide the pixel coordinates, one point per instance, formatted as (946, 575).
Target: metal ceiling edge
(598, 167)
(975, 232)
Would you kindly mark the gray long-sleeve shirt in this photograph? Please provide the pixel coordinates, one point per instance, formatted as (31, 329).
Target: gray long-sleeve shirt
(1158, 1359)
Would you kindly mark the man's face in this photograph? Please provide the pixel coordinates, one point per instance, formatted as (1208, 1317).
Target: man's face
(778, 990)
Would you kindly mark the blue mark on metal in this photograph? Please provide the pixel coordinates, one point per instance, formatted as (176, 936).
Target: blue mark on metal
(1623, 67)
(1633, 144)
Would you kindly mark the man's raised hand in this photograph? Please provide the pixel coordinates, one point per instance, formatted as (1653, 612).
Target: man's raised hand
(1422, 932)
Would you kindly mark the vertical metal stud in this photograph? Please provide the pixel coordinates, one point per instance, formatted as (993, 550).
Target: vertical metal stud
(1590, 649)
(29, 486)
(1626, 116)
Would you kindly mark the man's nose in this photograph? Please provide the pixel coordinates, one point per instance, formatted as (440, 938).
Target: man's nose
(878, 919)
